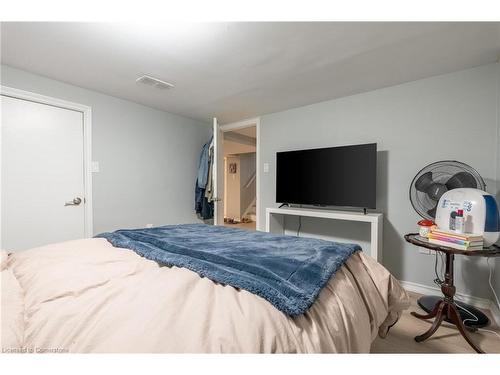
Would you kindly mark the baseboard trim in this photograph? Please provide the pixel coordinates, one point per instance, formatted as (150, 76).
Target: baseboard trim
(481, 303)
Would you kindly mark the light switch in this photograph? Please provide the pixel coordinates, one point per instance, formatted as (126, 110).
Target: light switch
(266, 167)
(95, 167)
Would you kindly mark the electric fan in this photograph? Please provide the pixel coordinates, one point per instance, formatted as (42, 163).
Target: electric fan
(436, 179)
(425, 190)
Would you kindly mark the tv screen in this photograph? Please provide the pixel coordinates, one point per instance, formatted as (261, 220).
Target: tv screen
(334, 176)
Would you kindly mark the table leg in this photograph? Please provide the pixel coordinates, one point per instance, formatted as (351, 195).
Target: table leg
(457, 320)
(432, 314)
(446, 308)
(435, 325)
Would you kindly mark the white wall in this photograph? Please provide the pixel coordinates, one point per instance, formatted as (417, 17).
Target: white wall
(247, 194)
(148, 158)
(236, 197)
(452, 116)
(232, 204)
(496, 281)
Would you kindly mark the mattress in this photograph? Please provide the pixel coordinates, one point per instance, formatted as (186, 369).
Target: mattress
(87, 296)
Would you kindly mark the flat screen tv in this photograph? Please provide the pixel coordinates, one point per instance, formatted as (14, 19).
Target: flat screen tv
(334, 176)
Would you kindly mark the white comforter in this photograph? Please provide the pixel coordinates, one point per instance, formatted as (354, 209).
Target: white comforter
(88, 296)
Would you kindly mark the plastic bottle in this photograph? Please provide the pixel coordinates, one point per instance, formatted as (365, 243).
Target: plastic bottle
(459, 221)
(453, 215)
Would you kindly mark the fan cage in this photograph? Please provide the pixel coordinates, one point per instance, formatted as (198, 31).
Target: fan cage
(441, 172)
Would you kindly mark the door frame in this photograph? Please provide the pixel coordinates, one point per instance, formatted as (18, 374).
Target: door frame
(87, 143)
(248, 123)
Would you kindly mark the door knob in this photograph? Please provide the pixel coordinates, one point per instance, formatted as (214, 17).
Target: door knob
(75, 202)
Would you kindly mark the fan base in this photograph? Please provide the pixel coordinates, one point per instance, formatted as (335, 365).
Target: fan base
(427, 303)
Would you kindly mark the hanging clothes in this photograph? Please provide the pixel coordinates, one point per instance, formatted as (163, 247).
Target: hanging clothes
(203, 165)
(209, 189)
(203, 207)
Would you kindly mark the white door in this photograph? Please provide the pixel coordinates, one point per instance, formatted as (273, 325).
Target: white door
(218, 175)
(42, 174)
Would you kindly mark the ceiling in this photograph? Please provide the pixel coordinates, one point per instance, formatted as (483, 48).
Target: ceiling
(236, 71)
(250, 131)
(240, 141)
(235, 148)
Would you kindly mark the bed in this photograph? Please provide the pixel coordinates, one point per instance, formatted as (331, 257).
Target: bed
(88, 296)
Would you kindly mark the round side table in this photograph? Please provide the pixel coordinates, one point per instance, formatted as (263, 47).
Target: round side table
(446, 308)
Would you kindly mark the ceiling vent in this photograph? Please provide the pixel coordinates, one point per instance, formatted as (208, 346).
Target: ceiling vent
(154, 82)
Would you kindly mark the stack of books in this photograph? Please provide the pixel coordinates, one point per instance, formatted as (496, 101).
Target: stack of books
(462, 241)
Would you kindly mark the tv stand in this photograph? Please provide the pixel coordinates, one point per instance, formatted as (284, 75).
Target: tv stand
(284, 205)
(275, 222)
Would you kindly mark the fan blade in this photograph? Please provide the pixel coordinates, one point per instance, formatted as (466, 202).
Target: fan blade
(423, 182)
(461, 180)
(432, 212)
(436, 190)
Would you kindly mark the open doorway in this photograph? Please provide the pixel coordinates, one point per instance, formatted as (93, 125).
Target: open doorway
(240, 176)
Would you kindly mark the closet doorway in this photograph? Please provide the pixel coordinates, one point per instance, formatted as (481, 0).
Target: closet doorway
(237, 180)
(46, 181)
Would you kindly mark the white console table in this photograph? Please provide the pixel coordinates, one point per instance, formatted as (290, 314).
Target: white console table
(275, 222)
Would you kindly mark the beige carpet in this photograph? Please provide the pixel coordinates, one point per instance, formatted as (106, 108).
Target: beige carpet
(250, 225)
(447, 339)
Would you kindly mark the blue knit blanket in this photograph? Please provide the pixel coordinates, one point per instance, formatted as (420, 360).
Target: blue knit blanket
(287, 271)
